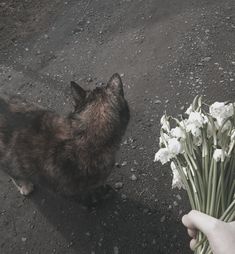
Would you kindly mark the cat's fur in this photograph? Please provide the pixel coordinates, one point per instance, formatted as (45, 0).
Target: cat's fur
(72, 154)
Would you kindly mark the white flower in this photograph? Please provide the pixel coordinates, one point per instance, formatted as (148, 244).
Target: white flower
(163, 139)
(163, 155)
(165, 123)
(218, 155)
(183, 124)
(177, 132)
(176, 181)
(195, 121)
(220, 111)
(189, 110)
(174, 146)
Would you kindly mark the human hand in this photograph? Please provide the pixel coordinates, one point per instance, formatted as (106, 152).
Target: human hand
(221, 235)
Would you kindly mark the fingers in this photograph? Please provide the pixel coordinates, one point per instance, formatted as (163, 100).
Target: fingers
(192, 244)
(192, 233)
(197, 220)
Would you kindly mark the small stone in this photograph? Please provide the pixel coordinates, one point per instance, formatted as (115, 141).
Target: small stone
(178, 196)
(124, 163)
(157, 102)
(133, 178)
(233, 63)
(123, 196)
(125, 142)
(182, 108)
(154, 242)
(175, 203)
(122, 75)
(118, 185)
(206, 59)
(163, 218)
(23, 239)
(115, 250)
(135, 162)
(88, 234)
(89, 80)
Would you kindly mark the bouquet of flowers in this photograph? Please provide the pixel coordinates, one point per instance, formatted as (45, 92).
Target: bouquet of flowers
(201, 149)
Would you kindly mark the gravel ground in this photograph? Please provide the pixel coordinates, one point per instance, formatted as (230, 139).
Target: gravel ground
(166, 52)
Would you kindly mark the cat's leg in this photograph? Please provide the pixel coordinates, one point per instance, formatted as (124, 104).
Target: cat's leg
(12, 168)
(24, 187)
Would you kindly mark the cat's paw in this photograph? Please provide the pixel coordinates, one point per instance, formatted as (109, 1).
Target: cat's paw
(26, 189)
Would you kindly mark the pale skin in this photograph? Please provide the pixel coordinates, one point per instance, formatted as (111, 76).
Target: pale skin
(221, 235)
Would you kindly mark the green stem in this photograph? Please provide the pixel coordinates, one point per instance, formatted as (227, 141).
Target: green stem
(209, 187)
(213, 193)
(222, 187)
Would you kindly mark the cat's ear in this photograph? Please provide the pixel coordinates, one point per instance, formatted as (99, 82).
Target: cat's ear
(115, 84)
(77, 91)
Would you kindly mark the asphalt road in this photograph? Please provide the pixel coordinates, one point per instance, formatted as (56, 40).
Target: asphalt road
(167, 52)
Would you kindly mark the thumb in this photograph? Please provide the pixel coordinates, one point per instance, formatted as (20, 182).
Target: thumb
(200, 221)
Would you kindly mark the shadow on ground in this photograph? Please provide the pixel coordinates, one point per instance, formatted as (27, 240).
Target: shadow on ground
(110, 224)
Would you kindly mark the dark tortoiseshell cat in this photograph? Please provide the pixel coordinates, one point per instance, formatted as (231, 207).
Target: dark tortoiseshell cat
(72, 154)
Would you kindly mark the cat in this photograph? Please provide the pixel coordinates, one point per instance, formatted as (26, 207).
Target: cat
(72, 154)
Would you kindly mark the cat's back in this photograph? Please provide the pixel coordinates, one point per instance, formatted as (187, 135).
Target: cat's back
(15, 115)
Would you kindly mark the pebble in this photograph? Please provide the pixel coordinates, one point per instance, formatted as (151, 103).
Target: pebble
(88, 233)
(124, 163)
(163, 218)
(133, 177)
(157, 102)
(89, 80)
(115, 250)
(135, 162)
(123, 196)
(24, 239)
(178, 196)
(175, 203)
(206, 59)
(118, 185)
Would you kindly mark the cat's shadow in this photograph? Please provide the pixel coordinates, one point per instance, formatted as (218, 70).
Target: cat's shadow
(113, 222)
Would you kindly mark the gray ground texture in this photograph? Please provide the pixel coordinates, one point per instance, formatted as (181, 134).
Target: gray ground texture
(167, 52)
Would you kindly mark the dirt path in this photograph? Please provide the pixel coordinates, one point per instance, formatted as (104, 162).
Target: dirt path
(167, 52)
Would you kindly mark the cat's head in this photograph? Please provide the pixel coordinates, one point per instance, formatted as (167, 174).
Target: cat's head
(106, 98)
